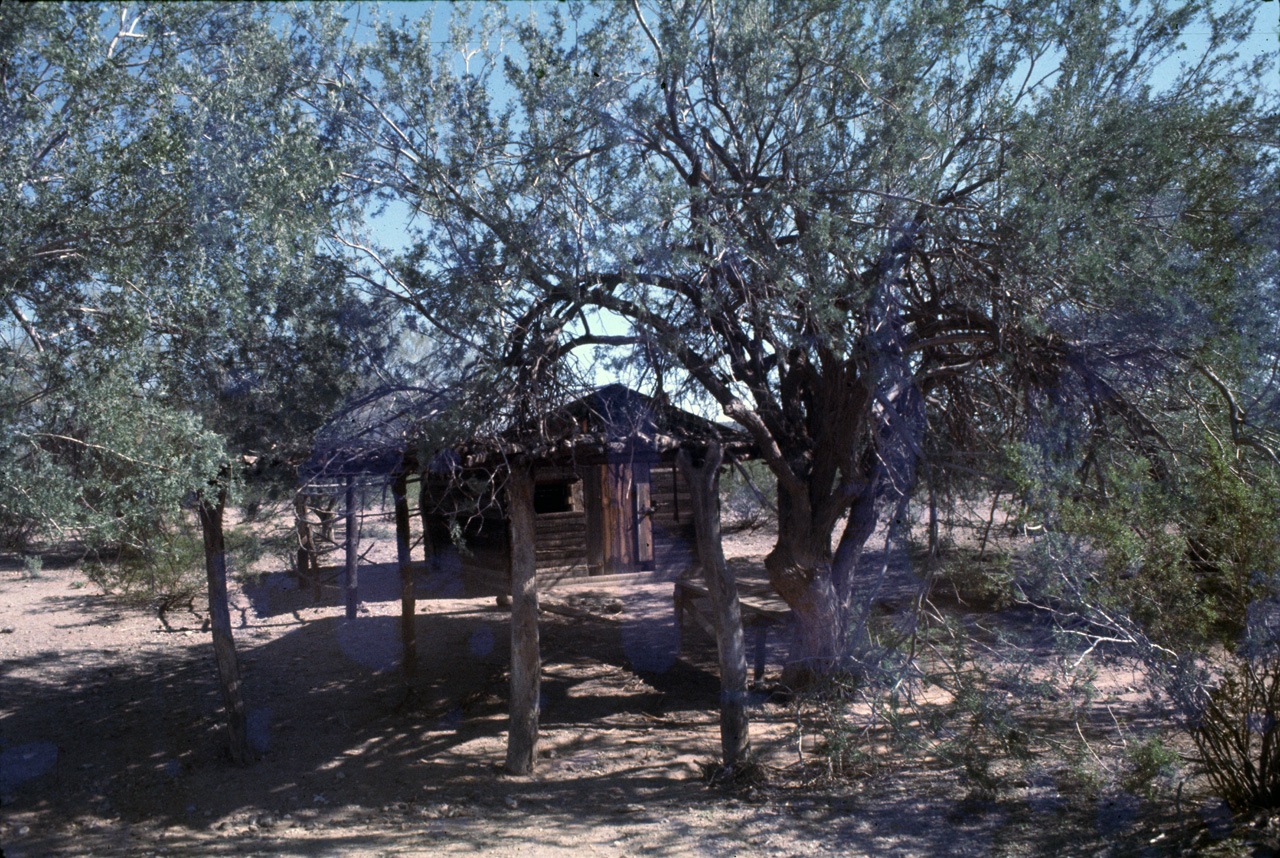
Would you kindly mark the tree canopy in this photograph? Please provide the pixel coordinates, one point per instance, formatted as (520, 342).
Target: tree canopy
(888, 239)
(165, 296)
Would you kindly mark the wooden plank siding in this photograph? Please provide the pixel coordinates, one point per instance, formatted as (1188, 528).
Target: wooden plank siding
(618, 510)
(561, 539)
(633, 517)
(642, 512)
(674, 549)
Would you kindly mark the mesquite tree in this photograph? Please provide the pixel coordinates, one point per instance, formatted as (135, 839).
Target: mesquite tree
(878, 235)
(165, 304)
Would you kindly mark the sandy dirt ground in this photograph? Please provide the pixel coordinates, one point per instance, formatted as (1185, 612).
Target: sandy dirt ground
(111, 741)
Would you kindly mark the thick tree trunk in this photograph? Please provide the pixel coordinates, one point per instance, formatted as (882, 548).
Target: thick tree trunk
(818, 585)
(526, 661)
(857, 530)
(408, 606)
(799, 568)
(704, 490)
(351, 581)
(224, 646)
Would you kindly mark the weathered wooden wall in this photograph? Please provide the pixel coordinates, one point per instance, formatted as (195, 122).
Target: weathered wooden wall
(624, 518)
(674, 540)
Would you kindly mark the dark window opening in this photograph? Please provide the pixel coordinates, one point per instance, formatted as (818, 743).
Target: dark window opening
(553, 497)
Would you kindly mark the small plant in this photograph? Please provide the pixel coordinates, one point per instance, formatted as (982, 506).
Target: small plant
(842, 743)
(1149, 766)
(840, 740)
(33, 564)
(976, 579)
(982, 729)
(1082, 777)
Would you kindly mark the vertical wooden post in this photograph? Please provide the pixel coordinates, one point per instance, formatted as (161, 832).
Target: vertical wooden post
(351, 582)
(704, 493)
(526, 661)
(408, 629)
(593, 504)
(424, 506)
(224, 645)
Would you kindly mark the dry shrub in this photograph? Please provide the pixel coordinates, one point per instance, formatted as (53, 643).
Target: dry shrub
(1238, 735)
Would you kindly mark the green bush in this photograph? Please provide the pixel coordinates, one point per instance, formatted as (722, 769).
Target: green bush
(1182, 565)
(986, 581)
(1183, 559)
(167, 567)
(1148, 767)
(33, 564)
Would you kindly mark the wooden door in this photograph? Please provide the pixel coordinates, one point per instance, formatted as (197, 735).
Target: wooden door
(643, 515)
(618, 531)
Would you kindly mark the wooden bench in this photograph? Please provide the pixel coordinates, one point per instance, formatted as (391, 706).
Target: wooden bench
(692, 600)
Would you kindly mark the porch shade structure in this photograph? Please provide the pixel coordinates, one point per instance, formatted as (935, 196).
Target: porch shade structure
(608, 496)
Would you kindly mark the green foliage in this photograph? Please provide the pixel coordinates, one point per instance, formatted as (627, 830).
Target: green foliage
(979, 727)
(1184, 559)
(169, 566)
(1173, 555)
(844, 741)
(869, 232)
(105, 464)
(16, 529)
(166, 307)
(986, 580)
(940, 706)
(1082, 777)
(1149, 767)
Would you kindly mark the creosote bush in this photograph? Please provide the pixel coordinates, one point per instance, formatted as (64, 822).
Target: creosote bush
(1238, 735)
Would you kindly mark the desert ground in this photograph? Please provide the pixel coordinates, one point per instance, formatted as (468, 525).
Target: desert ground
(111, 741)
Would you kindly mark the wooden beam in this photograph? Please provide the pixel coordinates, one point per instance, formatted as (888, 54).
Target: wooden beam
(526, 660)
(593, 507)
(408, 606)
(304, 559)
(350, 583)
(704, 490)
(424, 507)
(619, 519)
(643, 515)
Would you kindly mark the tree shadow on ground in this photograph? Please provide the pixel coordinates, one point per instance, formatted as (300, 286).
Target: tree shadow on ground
(356, 758)
(141, 741)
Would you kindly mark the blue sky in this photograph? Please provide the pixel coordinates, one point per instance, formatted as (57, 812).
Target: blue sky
(389, 229)
(389, 232)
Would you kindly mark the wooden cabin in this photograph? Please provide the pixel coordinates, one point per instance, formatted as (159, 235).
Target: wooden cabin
(608, 496)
